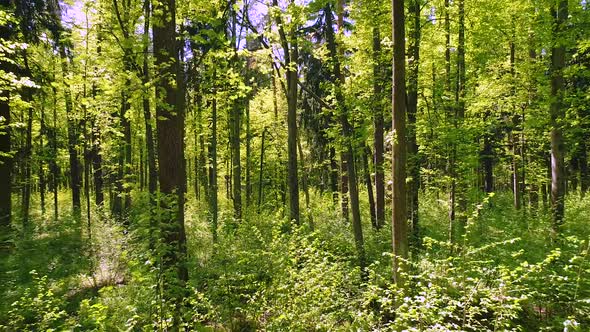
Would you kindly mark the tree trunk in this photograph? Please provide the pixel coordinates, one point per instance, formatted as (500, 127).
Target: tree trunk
(28, 149)
(557, 112)
(291, 55)
(333, 175)
(213, 168)
(248, 154)
(260, 176)
(378, 136)
(5, 146)
(305, 183)
(414, 162)
(147, 113)
(344, 186)
(399, 216)
(369, 184)
(172, 175)
(487, 158)
(54, 167)
(236, 160)
(72, 124)
(42, 181)
(347, 133)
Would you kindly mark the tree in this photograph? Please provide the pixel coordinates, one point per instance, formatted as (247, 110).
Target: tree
(291, 56)
(557, 114)
(399, 219)
(6, 30)
(172, 175)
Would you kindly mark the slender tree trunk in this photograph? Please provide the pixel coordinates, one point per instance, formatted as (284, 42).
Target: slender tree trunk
(487, 158)
(347, 133)
(236, 158)
(213, 167)
(515, 133)
(369, 184)
(414, 162)
(261, 178)
(54, 167)
(147, 113)
(305, 182)
(72, 124)
(42, 180)
(583, 162)
(557, 112)
(127, 175)
(399, 216)
(248, 154)
(28, 149)
(95, 150)
(291, 54)
(378, 136)
(333, 175)
(344, 186)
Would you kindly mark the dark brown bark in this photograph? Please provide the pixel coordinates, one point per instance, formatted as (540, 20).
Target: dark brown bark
(172, 175)
(399, 214)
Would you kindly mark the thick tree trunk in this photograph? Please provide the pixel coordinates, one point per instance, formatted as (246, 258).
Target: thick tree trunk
(557, 112)
(172, 175)
(399, 215)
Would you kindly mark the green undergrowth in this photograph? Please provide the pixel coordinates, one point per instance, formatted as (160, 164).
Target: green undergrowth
(507, 273)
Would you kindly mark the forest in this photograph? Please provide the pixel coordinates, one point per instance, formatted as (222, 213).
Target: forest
(294, 165)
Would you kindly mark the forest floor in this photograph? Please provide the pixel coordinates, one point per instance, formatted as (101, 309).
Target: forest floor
(506, 273)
